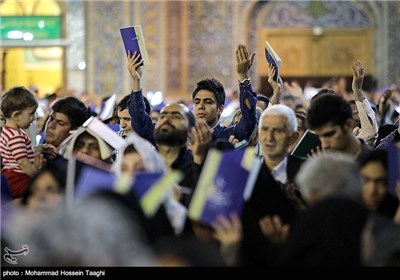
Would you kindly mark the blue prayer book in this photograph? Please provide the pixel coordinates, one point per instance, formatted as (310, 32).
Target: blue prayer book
(221, 185)
(91, 180)
(273, 58)
(151, 189)
(133, 40)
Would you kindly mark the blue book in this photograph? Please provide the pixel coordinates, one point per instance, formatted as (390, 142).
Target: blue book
(151, 189)
(393, 168)
(133, 40)
(273, 58)
(91, 180)
(221, 185)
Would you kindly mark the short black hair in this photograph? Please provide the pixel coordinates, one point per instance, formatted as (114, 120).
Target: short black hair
(123, 103)
(323, 91)
(212, 85)
(328, 108)
(379, 155)
(74, 109)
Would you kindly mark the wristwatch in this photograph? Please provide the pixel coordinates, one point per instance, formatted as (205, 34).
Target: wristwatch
(245, 82)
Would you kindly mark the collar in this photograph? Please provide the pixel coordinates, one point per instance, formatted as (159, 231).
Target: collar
(279, 172)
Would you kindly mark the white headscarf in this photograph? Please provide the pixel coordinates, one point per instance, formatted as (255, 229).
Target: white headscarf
(152, 160)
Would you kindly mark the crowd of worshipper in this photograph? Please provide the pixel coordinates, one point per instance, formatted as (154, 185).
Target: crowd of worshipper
(337, 205)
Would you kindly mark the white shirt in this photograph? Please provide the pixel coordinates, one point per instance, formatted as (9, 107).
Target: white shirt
(279, 172)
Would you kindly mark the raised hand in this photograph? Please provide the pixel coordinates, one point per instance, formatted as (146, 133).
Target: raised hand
(135, 69)
(358, 77)
(243, 62)
(228, 231)
(276, 86)
(295, 90)
(273, 228)
(383, 102)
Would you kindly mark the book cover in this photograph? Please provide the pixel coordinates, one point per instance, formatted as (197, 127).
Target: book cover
(309, 141)
(393, 168)
(273, 58)
(151, 189)
(133, 40)
(104, 132)
(92, 179)
(221, 185)
(107, 139)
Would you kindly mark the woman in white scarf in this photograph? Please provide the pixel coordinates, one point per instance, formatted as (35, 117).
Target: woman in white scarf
(138, 154)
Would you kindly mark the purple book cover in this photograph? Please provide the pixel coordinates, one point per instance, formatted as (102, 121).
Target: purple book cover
(93, 179)
(225, 196)
(143, 182)
(133, 40)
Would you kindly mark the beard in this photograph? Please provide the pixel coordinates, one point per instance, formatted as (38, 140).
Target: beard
(174, 137)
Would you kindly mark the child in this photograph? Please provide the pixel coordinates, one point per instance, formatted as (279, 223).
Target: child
(18, 106)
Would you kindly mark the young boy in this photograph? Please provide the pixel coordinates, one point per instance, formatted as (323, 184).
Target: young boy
(18, 106)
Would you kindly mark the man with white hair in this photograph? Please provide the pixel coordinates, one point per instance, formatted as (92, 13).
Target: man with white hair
(273, 193)
(327, 175)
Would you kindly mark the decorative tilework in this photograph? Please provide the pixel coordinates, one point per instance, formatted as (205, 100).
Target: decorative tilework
(211, 53)
(328, 14)
(151, 19)
(106, 49)
(394, 42)
(75, 20)
(174, 45)
(212, 39)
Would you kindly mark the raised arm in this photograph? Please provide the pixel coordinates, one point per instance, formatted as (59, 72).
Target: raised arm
(247, 98)
(369, 125)
(140, 120)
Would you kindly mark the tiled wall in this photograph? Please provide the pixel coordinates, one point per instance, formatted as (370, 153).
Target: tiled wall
(190, 40)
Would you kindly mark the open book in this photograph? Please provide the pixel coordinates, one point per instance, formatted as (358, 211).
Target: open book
(107, 109)
(273, 58)
(108, 140)
(309, 141)
(133, 40)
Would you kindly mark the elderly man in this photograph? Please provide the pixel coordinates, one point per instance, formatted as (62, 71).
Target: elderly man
(273, 193)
